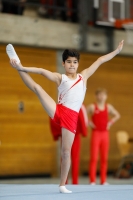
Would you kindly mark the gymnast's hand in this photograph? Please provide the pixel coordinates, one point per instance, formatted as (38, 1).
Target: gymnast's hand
(120, 46)
(109, 124)
(91, 124)
(16, 65)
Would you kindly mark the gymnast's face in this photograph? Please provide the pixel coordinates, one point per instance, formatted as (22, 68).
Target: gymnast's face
(101, 97)
(71, 65)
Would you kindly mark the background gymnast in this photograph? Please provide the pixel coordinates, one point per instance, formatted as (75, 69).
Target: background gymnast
(100, 124)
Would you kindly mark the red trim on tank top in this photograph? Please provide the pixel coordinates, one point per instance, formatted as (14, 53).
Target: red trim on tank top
(80, 78)
(61, 97)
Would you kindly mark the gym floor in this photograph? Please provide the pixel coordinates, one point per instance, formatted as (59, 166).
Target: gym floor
(47, 188)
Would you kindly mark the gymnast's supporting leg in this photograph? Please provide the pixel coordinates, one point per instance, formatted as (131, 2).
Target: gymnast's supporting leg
(67, 141)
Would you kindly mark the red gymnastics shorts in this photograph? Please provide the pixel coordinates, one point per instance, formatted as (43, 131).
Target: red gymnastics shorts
(66, 118)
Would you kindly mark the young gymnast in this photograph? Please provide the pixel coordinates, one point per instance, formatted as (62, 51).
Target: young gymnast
(100, 125)
(71, 88)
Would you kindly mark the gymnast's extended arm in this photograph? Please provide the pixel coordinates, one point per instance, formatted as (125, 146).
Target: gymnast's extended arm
(89, 71)
(53, 76)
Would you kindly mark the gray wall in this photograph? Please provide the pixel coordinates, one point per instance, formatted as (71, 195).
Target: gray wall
(39, 32)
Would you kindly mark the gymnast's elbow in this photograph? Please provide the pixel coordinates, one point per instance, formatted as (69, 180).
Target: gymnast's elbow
(100, 60)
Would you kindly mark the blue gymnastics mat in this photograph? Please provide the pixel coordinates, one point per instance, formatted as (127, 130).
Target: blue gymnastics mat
(80, 192)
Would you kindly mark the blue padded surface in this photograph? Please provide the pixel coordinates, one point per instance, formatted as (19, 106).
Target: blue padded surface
(50, 192)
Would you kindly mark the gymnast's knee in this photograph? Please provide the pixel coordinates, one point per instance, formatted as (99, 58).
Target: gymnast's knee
(37, 88)
(65, 154)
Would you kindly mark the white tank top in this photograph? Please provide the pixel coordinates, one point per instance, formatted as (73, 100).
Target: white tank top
(71, 92)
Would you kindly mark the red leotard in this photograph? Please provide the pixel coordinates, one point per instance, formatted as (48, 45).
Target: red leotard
(99, 143)
(100, 118)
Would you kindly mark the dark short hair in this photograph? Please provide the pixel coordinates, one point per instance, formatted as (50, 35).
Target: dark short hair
(70, 53)
(100, 90)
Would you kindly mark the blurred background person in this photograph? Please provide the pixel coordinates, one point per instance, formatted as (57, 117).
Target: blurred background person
(100, 124)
